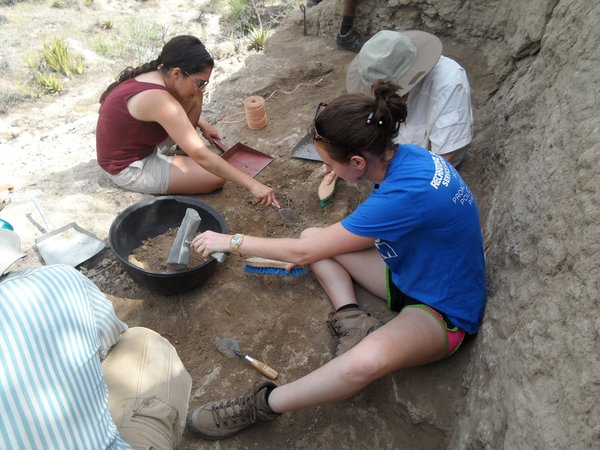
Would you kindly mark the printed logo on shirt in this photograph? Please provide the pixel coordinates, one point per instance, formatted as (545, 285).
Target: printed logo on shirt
(442, 172)
(442, 176)
(385, 249)
(463, 195)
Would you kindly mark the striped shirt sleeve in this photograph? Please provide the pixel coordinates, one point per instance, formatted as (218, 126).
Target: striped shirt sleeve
(53, 324)
(108, 325)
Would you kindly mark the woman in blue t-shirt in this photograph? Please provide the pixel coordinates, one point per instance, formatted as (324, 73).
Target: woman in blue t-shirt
(415, 242)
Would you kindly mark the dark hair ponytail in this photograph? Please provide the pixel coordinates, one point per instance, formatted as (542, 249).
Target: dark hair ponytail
(130, 72)
(355, 124)
(186, 52)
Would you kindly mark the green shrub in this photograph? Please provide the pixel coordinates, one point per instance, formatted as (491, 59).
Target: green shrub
(237, 8)
(259, 36)
(143, 43)
(106, 24)
(33, 62)
(212, 7)
(102, 46)
(57, 58)
(10, 98)
(49, 83)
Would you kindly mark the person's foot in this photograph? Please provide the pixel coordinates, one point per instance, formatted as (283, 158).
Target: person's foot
(349, 327)
(220, 420)
(352, 41)
(311, 3)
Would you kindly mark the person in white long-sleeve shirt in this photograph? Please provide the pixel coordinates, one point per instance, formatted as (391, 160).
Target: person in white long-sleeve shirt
(435, 87)
(73, 376)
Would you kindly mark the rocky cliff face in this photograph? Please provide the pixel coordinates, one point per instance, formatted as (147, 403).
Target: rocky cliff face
(532, 376)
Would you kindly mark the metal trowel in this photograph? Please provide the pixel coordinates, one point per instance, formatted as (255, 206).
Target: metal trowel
(305, 149)
(230, 348)
(179, 256)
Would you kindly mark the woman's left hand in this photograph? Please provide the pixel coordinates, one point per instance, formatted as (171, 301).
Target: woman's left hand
(208, 131)
(209, 242)
(264, 195)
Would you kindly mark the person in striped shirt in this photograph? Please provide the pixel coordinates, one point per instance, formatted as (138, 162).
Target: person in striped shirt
(72, 375)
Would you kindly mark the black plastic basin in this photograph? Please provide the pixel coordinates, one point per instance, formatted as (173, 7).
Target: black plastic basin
(155, 216)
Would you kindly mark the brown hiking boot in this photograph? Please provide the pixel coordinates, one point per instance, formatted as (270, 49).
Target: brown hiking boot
(350, 326)
(220, 420)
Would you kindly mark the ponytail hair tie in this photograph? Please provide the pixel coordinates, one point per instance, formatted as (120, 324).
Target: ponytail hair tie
(159, 67)
(370, 120)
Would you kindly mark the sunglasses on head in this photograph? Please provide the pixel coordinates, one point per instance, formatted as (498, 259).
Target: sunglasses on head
(317, 136)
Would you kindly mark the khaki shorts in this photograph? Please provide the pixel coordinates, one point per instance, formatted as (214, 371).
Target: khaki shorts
(148, 390)
(147, 176)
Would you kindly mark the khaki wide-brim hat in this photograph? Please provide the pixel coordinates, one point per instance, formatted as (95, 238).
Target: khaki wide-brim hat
(401, 57)
(10, 249)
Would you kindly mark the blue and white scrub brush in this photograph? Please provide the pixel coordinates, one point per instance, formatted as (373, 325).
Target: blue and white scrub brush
(263, 266)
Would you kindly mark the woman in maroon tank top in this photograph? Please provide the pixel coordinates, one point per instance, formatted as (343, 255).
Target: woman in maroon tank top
(161, 101)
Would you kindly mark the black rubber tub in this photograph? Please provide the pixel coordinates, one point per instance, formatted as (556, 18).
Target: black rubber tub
(152, 217)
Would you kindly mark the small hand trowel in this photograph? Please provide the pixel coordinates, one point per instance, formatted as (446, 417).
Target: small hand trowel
(289, 215)
(231, 348)
(179, 255)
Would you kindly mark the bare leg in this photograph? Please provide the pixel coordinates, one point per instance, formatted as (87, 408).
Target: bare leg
(187, 177)
(336, 274)
(348, 14)
(350, 7)
(347, 38)
(411, 339)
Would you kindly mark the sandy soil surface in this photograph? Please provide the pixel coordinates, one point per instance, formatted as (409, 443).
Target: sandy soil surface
(47, 151)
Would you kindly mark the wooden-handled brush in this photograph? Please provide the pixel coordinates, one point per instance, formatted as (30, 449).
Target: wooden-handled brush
(264, 266)
(326, 190)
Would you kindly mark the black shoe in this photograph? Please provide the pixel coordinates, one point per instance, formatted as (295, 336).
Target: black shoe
(352, 41)
(311, 3)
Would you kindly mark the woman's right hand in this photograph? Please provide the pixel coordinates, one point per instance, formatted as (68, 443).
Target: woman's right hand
(263, 195)
(329, 174)
(210, 241)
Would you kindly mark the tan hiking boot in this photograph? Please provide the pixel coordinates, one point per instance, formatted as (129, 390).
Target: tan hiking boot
(349, 327)
(220, 420)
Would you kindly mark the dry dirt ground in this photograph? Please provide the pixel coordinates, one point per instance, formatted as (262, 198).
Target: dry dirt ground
(47, 151)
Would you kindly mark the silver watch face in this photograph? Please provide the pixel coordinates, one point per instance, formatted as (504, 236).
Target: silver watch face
(236, 239)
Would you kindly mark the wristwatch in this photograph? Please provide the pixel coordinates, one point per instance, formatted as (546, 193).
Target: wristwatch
(236, 242)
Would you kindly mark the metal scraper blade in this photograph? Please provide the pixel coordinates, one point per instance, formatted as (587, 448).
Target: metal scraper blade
(305, 149)
(179, 255)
